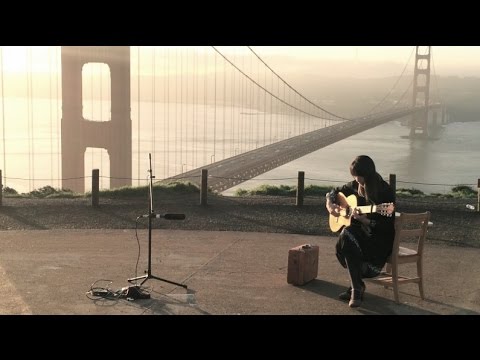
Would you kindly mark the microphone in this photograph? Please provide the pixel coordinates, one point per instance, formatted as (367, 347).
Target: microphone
(172, 216)
(166, 216)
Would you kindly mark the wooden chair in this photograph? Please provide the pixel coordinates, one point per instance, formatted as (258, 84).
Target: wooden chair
(408, 226)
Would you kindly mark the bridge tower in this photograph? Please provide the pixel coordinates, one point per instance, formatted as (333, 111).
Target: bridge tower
(78, 133)
(421, 86)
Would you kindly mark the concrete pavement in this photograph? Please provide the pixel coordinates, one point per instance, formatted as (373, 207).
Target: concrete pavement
(50, 271)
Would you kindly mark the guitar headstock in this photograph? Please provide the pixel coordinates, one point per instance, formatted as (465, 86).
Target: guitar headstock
(386, 209)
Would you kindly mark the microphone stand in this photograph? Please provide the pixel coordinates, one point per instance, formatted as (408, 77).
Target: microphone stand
(151, 215)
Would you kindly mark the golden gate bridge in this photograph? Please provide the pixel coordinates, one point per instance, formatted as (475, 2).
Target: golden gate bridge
(67, 110)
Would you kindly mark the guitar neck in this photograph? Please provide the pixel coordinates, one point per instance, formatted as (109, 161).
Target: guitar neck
(347, 207)
(367, 209)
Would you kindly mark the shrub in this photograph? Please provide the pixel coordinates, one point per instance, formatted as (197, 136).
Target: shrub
(43, 192)
(50, 192)
(241, 192)
(159, 188)
(282, 190)
(177, 186)
(9, 191)
(463, 191)
(410, 192)
(315, 190)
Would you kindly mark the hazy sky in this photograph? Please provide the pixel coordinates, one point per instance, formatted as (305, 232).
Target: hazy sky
(368, 61)
(349, 61)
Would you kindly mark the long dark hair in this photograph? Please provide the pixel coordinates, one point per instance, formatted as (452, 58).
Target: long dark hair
(364, 166)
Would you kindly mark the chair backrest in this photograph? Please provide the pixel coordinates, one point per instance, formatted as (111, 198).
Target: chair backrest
(410, 226)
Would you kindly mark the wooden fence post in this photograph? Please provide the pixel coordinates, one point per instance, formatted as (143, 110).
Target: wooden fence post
(204, 187)
(300, 188)
(95, 187)
(478, 192)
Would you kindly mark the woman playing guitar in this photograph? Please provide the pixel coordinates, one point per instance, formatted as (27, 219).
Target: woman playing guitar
(366, 241)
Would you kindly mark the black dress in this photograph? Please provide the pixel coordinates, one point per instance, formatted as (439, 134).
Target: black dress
(366, 247)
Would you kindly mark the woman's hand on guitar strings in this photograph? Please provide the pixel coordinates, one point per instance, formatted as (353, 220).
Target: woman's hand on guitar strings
(333, 209)
(357, 215)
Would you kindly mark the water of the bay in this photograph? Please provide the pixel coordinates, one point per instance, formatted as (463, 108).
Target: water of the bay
(185, 137)
(450, 157)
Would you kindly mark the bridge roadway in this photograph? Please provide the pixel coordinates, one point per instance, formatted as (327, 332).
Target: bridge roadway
(227, 173)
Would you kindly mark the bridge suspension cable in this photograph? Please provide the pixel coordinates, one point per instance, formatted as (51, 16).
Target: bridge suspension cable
(287, 84)
(31, 137)
(404, 93)
(436, 79)
(394, 85)
(277, 97)
(138, 115)
(3, 123)
(57, 107)
(50, 112)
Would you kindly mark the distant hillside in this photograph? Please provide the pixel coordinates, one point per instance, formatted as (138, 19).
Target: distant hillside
(350, 97)
(462, 96)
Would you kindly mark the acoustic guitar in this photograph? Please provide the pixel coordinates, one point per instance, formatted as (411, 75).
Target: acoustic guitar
(349, 204)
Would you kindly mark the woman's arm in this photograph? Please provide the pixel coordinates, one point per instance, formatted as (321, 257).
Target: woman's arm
(331, 197)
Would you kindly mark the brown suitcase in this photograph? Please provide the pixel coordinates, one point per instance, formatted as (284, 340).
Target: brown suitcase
(302, 264)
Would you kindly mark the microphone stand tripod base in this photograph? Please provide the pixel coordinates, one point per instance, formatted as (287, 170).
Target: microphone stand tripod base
(146, 277)
(135, 292)
(151, 214)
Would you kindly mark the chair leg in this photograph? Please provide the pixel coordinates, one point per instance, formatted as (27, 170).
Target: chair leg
(420, 275)
(395, 282)
(388, 270)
